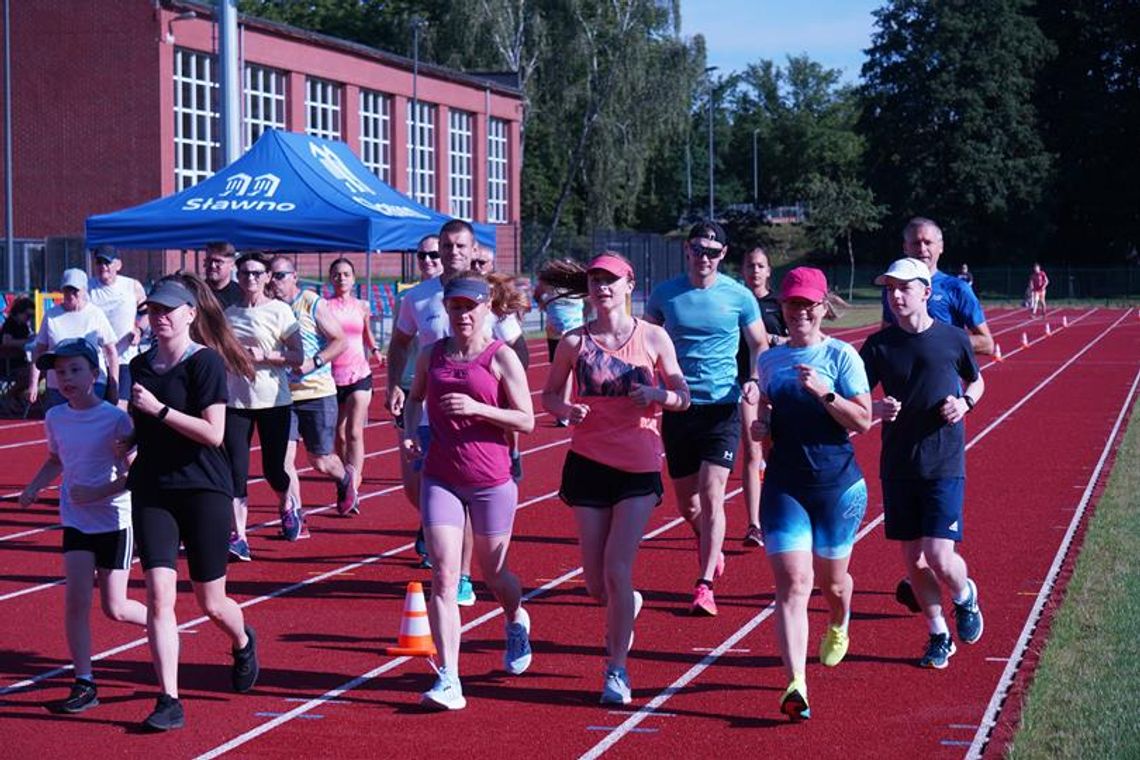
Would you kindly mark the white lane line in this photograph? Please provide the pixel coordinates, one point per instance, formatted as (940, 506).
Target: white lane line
(993, 709)
(664, 696)
(353, 683)
(342, 570)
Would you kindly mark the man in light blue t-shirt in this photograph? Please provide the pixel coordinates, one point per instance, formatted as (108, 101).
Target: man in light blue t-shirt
(705, 313)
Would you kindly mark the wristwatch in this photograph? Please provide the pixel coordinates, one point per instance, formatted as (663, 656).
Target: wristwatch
(969, 401)
(828, 398)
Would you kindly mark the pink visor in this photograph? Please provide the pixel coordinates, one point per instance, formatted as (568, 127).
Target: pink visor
(609, 263)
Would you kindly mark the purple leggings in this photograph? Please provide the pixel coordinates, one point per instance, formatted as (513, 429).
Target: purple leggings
(492, 508)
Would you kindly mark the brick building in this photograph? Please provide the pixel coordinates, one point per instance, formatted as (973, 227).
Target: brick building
(115, 103)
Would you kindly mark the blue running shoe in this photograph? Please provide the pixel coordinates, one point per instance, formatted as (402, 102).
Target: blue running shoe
(517, 657)
(968, 616)
(939, 650)
(291, 524)
(239, 549)
(615, 690)
(465, 597)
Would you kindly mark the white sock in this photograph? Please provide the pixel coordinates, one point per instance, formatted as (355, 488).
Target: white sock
(965, 594)
(85, 677)
(938, 625)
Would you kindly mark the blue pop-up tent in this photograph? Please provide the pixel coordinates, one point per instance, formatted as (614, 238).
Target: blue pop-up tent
(289, 192)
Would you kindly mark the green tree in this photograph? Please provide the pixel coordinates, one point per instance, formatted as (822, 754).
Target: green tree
(1089, 100)
(839, 209)
(950, 122)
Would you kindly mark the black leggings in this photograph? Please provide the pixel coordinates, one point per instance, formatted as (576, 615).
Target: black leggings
(273, 432)
(199, 519)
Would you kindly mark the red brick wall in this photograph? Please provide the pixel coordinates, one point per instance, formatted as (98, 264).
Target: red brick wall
(85, 111)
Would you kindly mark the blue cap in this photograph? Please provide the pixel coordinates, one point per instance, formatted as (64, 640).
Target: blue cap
(67, 348)
(473, 290)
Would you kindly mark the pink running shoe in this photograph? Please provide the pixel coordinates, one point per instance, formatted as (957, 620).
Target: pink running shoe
(347, 497)
(703, 601)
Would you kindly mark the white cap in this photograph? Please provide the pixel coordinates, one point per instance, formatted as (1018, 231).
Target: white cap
(905, 270)
(73, 278)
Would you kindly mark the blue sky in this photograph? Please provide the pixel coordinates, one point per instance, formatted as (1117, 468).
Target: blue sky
(738, 32)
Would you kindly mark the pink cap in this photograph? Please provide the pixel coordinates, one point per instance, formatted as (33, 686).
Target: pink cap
(608, 262)
(804, 282)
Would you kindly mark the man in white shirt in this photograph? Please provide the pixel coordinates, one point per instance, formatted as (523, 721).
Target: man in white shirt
(76, 317)
(120, 298)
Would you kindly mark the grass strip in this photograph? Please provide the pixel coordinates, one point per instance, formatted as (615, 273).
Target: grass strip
(1085, 697)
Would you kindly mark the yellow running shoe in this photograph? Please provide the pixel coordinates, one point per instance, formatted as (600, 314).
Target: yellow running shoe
(794, 703)
(833, 646)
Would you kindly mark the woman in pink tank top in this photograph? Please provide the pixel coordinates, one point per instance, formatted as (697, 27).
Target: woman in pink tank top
(612, 474)
(476, 393)
(351, 371)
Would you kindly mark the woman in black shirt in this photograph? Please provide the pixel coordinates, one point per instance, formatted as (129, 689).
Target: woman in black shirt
(757, 271)
(181, 482)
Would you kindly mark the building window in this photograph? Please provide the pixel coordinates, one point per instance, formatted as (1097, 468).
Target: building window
(376, 133)
(459, 164)
(197, 149)
(497, 171)
(264, 101)
(421, 154)
(322, 108)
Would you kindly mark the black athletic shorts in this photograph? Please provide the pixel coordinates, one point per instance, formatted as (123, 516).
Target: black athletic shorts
(702, 433)
(199, 519)
(112, 550)
(586, 483)
(344, 391)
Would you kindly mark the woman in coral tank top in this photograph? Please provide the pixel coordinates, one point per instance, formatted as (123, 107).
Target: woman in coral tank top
(612, 474)
(351, 370)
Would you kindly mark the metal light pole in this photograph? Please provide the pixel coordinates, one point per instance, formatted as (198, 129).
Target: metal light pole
(9, 235)
(712, 155)
(229, 81)
(755, 172)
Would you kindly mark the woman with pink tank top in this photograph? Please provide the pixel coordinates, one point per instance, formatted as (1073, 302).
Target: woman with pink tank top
(476, 393)
(351, 370)
(612, 474)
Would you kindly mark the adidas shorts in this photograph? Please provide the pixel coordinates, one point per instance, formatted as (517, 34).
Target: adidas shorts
(915, 509)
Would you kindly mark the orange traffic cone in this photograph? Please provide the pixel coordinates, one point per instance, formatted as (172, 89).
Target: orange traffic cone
(1024, 340)
(1064, 321)
(415, 631)
(1048, 329)
(997, 353)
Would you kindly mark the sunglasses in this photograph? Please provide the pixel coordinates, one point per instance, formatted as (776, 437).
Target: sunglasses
(421, 255)
(251, 272)
(480, 262)
(281, 275)
(708, 253)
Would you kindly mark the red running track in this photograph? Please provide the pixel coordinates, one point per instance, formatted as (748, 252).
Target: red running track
(326, 607)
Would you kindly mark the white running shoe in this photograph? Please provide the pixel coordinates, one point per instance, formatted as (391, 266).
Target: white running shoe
(447, 694)
(517, 657)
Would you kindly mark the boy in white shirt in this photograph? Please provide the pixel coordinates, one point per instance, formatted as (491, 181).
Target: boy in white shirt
(94, 506)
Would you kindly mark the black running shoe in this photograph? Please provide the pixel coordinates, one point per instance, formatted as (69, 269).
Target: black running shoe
(246, 667)
(904, 595)
(83, 696)
(167, 714)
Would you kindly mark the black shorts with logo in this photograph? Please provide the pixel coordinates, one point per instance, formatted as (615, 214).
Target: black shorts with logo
(702, 433)
(587, 483)
(113, 550)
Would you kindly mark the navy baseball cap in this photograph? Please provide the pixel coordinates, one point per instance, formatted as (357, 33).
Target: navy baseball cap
(473, 290)
(68, 348)
(106, 253)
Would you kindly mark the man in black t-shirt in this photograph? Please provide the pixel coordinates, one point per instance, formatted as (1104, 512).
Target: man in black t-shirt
(922, 365)
(219, 275)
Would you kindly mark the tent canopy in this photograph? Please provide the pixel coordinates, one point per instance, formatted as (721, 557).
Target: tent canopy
(289, 192)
